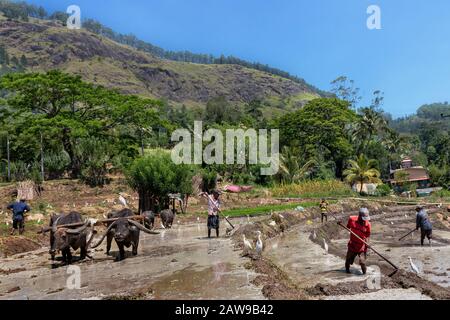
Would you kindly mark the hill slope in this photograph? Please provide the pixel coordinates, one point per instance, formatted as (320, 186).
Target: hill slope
(48, 45)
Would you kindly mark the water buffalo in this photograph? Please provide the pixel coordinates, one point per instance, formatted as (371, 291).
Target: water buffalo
(149, 219)
(62, 239)
(167, 217)
(125, 232)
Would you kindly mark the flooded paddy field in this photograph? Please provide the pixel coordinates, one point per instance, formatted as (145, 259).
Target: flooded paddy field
(301, 254)
(181, 263)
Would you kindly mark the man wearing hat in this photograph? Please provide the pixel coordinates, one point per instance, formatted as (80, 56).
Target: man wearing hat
(424, 224)
(361, 226)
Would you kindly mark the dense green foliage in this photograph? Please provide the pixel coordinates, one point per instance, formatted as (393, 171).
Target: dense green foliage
(87, 131)
(156, 176)
(65, 111)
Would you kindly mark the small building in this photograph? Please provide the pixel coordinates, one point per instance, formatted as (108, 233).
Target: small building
(413, 174)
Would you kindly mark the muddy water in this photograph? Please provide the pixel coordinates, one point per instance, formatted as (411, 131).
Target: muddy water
(307, 263)
(180, 263)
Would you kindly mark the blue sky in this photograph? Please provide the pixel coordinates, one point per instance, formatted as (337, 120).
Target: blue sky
(409, 59)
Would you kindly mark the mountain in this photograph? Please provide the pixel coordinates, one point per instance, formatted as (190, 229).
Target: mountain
(429, 115)
(46, 44)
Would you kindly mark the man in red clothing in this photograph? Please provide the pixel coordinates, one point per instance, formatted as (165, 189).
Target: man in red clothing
(356, 248)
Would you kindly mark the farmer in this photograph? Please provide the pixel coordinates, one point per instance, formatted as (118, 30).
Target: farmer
(324, 209)
(19, 209)
(361, 226)
(213, 211)
(424, 224)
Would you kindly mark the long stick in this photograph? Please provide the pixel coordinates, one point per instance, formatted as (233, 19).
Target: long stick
(369, 246)
(209, 197)
(9, 157)
(80, 224)
(406, 235)
(42, 159)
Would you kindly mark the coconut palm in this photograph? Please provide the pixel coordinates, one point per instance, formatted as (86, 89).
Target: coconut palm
(291, 170)
(362, 171)
(371, 122)
(396, 144)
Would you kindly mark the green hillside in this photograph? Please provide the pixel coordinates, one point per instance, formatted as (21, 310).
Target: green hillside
(48, 45)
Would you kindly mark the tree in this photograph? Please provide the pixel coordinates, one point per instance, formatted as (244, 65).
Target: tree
(321, 127)
(66, 109)
(362, 171)
(291, 168)
(23, 61)
(4, 57)
(60, 16)
(41, 13)
(156, 176)
(369, 124)
(345, 89)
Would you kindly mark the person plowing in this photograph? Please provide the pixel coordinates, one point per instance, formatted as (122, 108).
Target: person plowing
(360, 225)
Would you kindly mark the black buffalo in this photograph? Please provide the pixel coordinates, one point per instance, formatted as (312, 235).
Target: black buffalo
(125, 231)
(149, 219)
(167, 217)
(65, 238)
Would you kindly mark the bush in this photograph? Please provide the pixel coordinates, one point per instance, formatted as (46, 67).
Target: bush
(55, 164)
(155, 176)
(383, 190)
(93, 156)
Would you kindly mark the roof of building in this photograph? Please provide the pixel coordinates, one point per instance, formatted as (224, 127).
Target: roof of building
(415, 174)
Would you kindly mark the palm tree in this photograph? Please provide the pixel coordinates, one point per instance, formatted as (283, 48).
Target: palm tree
(291, 170)
(370, 123)
(362, 171)
(396, 144)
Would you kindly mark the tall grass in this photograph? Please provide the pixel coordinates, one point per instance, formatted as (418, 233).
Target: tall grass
(313, 189)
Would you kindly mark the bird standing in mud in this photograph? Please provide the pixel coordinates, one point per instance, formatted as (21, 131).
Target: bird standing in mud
(259, 243)
(123, 201)
(325, 245)
(414, 268)
(247, 244)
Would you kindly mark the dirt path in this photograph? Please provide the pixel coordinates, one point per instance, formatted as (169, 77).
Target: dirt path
(177, 264)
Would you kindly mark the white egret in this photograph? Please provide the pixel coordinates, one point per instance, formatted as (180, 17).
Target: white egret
(414, 268)
(247, 244)
(123, 201)
(314, 235)
(325, 245)
(259, 243)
